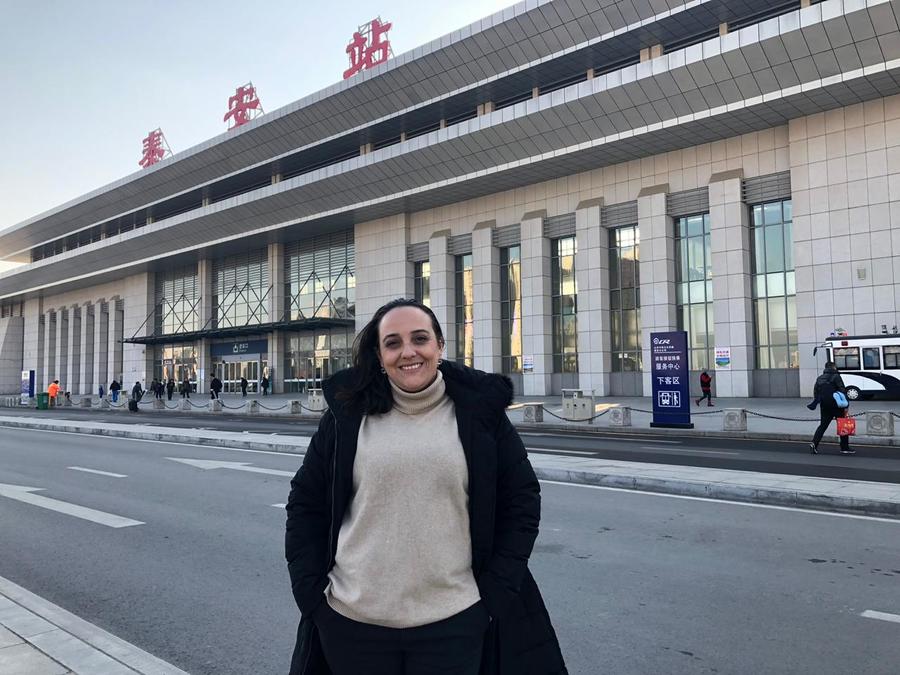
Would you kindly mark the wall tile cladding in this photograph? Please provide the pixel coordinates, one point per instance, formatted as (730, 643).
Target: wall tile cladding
(845, 177)
(757, 153)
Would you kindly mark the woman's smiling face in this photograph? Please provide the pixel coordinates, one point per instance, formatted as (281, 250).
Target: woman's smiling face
(408, 348)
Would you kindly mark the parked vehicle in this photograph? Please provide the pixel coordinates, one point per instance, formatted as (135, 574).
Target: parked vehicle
(869, 364)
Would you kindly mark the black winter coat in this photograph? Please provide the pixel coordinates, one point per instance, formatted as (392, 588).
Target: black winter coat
(827, 383)
(504, 511)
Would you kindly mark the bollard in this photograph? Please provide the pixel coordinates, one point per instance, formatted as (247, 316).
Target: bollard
(879, 423)
(215, 405)
(104, 404)
(85, 402)
(734, 419)
(620, 417)
(296, 409)
(532, 413)
(253, 407)
(315, 400)
(186, 404)
(67, 402)
(159, 404)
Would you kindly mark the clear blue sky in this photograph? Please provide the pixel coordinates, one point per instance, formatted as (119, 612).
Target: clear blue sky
(84, 82)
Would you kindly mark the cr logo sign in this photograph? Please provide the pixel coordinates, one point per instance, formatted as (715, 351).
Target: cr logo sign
(657, 341)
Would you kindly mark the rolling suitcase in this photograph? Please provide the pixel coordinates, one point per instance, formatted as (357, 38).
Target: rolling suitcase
(132, 405)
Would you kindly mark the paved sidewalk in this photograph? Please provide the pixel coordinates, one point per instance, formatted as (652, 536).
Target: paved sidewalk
(39, 638)
(827, 494)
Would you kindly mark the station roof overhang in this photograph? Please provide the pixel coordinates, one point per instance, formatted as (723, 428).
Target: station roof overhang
(241, 331)
(810, 61)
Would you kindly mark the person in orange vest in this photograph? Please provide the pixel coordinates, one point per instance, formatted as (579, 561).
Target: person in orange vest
(53, 390)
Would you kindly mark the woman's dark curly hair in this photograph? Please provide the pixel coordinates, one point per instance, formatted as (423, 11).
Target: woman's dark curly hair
(370, 391)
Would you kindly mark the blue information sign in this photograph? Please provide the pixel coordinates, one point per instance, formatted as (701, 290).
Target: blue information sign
(237, 348)
(669, 373)
(27, 391)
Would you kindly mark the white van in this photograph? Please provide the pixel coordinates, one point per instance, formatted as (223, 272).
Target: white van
(869, 364)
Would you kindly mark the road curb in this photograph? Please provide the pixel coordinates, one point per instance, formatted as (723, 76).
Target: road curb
(738, 493)
(163, 436)
(889, 441)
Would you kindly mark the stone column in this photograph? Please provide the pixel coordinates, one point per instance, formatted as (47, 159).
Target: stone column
(729, 221)
(486, 276)
(73, 372)
(276, 313)
(62, 348)
(537, 335)
(101, 345)
(442, 283)
(114, 348)
(33, 355)
(50, 373)
(207, 321)
(657, 268)
(86, 367)
(592, 276)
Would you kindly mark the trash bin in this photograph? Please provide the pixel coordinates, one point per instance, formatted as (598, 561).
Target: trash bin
(43, 401)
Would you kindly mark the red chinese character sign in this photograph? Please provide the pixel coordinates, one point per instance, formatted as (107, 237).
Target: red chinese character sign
(155, 149)
(369, 47)
(243, 106)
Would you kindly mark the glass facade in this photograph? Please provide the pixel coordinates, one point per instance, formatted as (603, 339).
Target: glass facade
(312, 356)
(693, 277)
(774, 292)
(465, 308)
(422, 282)
(625, 299)
(176, 362)
(241, 289)
(177, 301)
(320, 277)
(511, 309)
(565, 305)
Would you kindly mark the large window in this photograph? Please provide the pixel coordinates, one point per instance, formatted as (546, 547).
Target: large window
(465, 308)
(511, 309)
(565, 306)
(176, 362)
(310, 357)
(241, 285)
(774, 302)
(320, 279)
(625, 299)
(693, 274)
(422, 282)
(177, 301)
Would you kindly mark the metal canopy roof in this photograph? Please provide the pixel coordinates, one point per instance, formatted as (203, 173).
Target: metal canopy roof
(237, 331)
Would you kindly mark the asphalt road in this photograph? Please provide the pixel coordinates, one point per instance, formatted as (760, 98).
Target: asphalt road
(872, 463)
(635, 582)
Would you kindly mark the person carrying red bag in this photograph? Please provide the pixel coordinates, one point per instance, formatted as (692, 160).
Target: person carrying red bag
(828, 384)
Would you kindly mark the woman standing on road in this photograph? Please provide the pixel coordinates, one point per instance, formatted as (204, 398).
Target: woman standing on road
(410, 523)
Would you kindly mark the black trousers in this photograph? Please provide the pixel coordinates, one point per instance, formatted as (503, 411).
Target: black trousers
(449, 647)
(706, 395)
(826, 414)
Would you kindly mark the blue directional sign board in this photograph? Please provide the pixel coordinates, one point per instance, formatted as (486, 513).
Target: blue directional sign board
(670, 378)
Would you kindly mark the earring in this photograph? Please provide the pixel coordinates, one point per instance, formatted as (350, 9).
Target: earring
(383, 371)
(440, 361)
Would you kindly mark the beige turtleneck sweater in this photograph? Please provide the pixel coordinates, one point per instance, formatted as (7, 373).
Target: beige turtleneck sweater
(404, 553)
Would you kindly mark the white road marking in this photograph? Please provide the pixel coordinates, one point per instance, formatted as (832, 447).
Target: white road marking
(647, 493)
(568, 452)
(99, 473)
(689, 450)
(25, 494)
(279, 506)
(207, 464)
(881, 616)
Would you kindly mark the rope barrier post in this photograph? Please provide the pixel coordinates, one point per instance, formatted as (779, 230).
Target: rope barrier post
(879, 423)
(734, 419)
(532, 413)
(159, 404)
(315, 400)
(85, 402)
(253, 407)
(186, 404)
(104, 404)
(620, 417)
(215, 405)
(296, 408)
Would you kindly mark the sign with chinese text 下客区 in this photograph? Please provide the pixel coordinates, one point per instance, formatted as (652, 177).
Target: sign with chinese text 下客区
(669, 374)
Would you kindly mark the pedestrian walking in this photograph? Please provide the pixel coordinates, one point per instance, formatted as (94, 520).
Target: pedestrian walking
(186, 388)
(137, 393)
(264, 385)
(215, 387)
(417, 494)
(114, 388)
(244, 385)
(831, 395)
(705, 388)
(157, 389)
(100, 391)
(170, 388)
